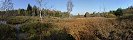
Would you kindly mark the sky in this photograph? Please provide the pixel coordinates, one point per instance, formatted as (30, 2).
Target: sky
(80, 6)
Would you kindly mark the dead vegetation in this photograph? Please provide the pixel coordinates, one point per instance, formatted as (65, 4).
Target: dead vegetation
(91, 28)
(96, 28)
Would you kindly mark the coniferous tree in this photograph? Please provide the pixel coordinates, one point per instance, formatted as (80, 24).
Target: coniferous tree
(86, 14)
(34, 9)
(118, 12)
(21, 12)
(29, 10)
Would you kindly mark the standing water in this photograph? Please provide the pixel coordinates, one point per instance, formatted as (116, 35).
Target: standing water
(19, 35)
(3, 22)
(17, 28)
(17, 31)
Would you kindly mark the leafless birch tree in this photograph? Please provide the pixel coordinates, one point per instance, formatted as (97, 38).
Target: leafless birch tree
(40, 6)
(7, 5)
(69, 6)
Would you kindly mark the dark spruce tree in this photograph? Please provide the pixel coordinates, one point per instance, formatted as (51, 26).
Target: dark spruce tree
(86, 14)
(29, 10)
(118, 12)
(34, 11)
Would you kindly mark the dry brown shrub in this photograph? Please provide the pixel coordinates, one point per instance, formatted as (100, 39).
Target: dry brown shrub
(84, 28)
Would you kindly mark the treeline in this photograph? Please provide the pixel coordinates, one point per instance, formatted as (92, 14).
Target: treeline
(114, 13)
(34, 11)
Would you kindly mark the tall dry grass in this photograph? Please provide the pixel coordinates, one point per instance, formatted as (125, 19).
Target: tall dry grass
(91, 28)
(94, 28)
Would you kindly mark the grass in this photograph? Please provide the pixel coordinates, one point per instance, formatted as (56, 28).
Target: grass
(84, 28)
(92, 28)
(19, 19)
(44, 31)
(7, 32)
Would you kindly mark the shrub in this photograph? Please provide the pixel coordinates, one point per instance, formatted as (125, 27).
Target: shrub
(16, 20)
(44, 31)
(7, 32)
(110, 16)
(118, 12)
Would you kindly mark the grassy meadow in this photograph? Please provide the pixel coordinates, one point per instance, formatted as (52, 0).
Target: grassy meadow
(66, 20)
(51, 28)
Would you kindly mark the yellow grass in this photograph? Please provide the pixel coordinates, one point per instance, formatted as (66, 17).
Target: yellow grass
(84, 27)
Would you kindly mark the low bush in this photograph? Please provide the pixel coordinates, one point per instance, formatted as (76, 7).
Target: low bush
(44, 31)
(110, 16)
(21, 19)
(7, 32)
(16, 20)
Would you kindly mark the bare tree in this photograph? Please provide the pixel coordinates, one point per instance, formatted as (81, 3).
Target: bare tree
(7, 5)
(40, 6)
(0, 3)
(40, 2)
(69, 6)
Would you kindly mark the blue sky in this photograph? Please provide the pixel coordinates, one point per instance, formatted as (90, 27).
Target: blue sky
(80, 6)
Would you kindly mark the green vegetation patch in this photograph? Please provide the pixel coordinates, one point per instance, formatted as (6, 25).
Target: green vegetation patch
(7, 32)
(44, 31)
(17, 20)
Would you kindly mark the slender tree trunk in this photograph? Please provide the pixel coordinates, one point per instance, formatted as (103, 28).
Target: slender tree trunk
(40, 15)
